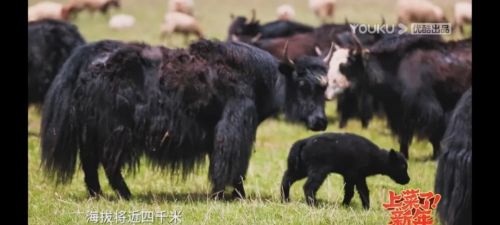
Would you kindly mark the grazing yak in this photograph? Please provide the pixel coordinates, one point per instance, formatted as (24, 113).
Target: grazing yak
(114, 102)
(417, 79)
(252, 30)
(50, 43)
(454, 172)
(350, 155)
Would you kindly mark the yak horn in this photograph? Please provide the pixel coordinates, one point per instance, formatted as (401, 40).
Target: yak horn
(357, 42)
(256, 38)
(234, 38)
(318, 50)
(328, 57)
(253, 15)
(323, 80)
(285, 54)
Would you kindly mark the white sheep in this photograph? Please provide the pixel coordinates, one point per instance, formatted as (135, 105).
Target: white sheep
(176, 22)
(121, 21)
(46, 10)
(323, 8)
(92, 5)
(285, 12)
(419, 11)
(463, 14)
(183, 6)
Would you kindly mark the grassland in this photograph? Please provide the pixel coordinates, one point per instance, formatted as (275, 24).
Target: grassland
(157, 191)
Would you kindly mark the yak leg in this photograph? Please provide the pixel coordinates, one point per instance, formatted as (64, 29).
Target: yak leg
(348, 191)
(314, 180)
(89, 157)
(366, 109)
(404, 143)
(118, 146)
(363, 193)
(118, 183)
(435, 140)
(233, 140)
(288, 179)
(90, 164)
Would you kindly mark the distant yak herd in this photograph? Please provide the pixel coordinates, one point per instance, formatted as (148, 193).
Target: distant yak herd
(110, 103)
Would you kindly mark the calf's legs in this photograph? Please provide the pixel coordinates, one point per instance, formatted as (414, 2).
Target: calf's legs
(314, 181)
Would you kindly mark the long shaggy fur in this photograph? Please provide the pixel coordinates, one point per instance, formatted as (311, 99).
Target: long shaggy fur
(454, 172)
(50, 43)
(60, 128)
(113, 102)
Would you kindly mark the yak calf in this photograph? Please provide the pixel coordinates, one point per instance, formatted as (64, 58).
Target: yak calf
(350, 155)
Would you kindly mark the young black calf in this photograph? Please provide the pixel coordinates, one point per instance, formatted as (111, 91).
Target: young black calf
(350, 155)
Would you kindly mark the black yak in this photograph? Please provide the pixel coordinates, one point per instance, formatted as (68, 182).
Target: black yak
(115, 102)
(50, 43)
(454, 172)
(417, 80)
(246, 31)
(352, 156)
(353, 99)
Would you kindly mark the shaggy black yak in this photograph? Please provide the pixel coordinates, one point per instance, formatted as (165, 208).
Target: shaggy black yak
(454, 172)
(113, 102)
(50, 43)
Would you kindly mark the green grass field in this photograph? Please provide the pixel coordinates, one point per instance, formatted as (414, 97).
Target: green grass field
(157, 191)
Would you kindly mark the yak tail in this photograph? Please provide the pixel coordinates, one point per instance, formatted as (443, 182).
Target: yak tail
(58, 139)
(454, 172)
(294, 160)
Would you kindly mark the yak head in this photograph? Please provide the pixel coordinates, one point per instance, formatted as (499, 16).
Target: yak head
(306, 81)
(397, 167)
(361, 67)
(241, 30)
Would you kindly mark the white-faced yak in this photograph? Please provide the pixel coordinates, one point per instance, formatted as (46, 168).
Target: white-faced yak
(417, 79)
(114, 102)
(50, 43)
(352, 156)
(454, 172)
